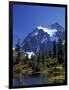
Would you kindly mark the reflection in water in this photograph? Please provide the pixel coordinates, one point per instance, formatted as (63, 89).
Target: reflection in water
(30, 80)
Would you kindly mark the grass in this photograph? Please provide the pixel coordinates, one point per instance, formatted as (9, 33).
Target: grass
(57, 79)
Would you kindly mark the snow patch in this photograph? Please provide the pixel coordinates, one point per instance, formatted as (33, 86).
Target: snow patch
(51, 32)
(63, 42)
(30, 54)
(54, 38)
(43, 40)
(36, 33)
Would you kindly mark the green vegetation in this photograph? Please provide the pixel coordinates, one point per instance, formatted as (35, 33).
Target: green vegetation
(18, 47)
(49, 63)
(18, 70)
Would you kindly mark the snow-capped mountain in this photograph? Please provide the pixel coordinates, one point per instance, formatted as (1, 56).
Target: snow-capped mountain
(42, 38)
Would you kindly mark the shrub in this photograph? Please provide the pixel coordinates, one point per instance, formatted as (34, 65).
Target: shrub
(18, 70)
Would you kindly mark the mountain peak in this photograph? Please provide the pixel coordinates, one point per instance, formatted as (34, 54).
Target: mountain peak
(56, 23)
(57, 26)
(39, 27)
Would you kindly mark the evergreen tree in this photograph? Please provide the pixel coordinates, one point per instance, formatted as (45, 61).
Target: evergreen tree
(43, 58)
(46, 50)
(33, 61)
(25, 59)
(46, 53)
(54, 49)
(50, 54)
(17, 49)
(38, 59)
(64, 54)
(60, 52)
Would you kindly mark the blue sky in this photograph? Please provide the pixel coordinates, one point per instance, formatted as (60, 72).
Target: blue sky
(27, 18)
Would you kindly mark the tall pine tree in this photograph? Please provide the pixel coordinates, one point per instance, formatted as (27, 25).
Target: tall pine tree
(38, 59)
(60, 52)
(43, 58)
(17, 49)
(54, 49)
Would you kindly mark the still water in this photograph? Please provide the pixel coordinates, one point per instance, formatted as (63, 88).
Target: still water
(30, 80)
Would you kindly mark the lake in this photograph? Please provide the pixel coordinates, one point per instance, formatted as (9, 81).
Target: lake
(30, 80)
